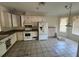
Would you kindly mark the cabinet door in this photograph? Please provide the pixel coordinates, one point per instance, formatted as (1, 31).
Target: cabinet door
(13, 38)
(2, 48)
(2, 20)
(14, 20)
(6, 18)
(34, 34)
(9, 20)
(22, 20)
(20, 36)
(18, 20)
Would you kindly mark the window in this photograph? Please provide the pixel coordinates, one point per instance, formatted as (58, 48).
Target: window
(75, 29)
(63, 23)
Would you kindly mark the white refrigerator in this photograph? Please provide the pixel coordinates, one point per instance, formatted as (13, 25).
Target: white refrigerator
(42, 31)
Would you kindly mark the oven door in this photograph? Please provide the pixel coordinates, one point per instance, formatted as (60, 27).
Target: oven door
(27, 36)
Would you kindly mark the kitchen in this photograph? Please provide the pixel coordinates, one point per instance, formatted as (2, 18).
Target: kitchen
(16, 26)
(35, 29)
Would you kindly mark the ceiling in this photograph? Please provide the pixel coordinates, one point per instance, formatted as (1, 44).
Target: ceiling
(50, 8)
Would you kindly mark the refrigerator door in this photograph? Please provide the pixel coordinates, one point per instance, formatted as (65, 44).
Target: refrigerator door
(43, 28)
(43, 31)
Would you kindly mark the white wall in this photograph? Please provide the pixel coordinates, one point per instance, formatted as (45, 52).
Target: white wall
(52, 24)
(52, 21)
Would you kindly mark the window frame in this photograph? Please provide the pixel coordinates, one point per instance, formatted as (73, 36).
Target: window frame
(73, 27)
(65, 25)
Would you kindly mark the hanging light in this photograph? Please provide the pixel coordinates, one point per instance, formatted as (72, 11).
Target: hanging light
(40, 4)
(69, 7)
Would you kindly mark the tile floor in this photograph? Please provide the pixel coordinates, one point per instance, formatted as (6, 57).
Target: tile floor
(47, 48)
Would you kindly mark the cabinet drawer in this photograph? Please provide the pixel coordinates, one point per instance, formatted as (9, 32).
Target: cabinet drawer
(34, 34)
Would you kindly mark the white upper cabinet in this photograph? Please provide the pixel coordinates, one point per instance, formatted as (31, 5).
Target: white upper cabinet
(5, 19)
(22, 20)
(18, 20)
(2, 20)
(9, 19)
(14, 20)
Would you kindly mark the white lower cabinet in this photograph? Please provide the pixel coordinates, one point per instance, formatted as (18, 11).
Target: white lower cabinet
(20, 36)
(13, 38)
(2, 48)
(34, 35)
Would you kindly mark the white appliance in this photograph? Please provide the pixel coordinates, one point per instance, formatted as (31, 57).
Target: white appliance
(27, 36)
(28, 27)
(27, 33)
(43, 31)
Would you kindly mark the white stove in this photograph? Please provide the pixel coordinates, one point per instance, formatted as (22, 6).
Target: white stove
(27, 33)
(27, 36)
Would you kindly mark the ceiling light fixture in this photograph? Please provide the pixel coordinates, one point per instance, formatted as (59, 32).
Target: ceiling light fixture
(69, 7)
(40, 4)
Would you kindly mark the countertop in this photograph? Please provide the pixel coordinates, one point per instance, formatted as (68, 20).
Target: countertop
(4, 34)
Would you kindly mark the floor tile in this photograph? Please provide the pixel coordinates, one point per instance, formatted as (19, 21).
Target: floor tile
(48, 48)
